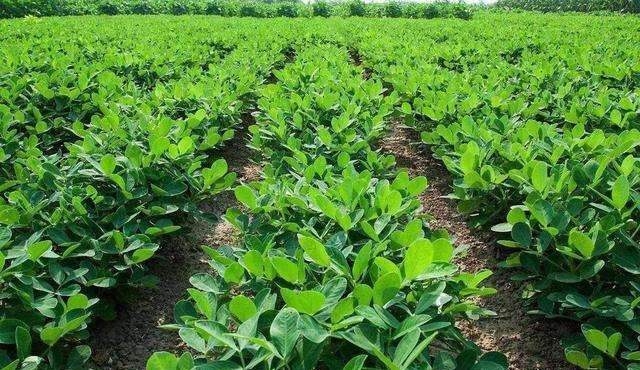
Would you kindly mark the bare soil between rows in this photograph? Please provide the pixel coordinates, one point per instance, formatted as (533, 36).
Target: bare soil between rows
(127, 342)
(529, 342)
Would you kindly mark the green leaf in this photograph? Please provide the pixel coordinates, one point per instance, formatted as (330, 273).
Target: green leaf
(363, 294)
(185, 145)
(344, 308)
(581, 242)
(78, 357)
(469, 158)
(9, 215)
(405, 108)
(218, 332)
(254, 262)
(23, 342)
(386, 288)
(502, 228)
(185, 362)
(315, 250)
(417, 186)
(406, 346)
(633, 356)
(442, 250)
(159, 145)
(362, 261)
(616, 117)
(108, 164)
(51, 335)
(543, 212)
(613, 344)
(620, 192)
(284, 330)
(191, 338)
(577, 358)
(218, 169)
(539, 176)
(242, 307)
(311, 329)
(418, 257)
(78, 301)
(307, 301)
(358, 338)
(385, 266)
(205, 282)
(412, 232)
(285, 269)
(355, 363)
(205, 303)
(5, 236)
(234, 273)
(411, 323)
(142, 255)
(246, 196)
(162, 361)
(521, 234)
(219, 365)
(37, 249)
(596, 338)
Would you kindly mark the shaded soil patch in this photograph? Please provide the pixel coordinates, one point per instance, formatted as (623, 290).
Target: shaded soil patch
(530, 343)
(127, 342)
(239, 157)
(356, 60)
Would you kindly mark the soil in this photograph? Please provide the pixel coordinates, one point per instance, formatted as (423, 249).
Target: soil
(529, 342)
(127, 342)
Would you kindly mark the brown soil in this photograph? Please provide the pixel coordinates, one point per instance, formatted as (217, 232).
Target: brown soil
(127, 342)
(529, 342)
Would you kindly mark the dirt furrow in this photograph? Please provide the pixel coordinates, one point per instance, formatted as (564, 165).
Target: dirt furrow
(529, 342)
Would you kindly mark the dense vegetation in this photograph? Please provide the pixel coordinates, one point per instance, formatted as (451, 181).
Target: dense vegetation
(110, 137)
(625, 6)
(101, 157)
(234, 8)
(540, 130)
(333, 264)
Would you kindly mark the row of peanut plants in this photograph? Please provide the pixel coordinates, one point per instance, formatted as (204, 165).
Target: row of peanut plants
(334, 266)
(234, 8)
(538, 122)
(105, 147)
(622, 6)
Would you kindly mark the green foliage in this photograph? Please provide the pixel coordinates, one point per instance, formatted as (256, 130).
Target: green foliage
(99, 160)
(540, 132)
(334, 266)
(352, 8)
(227, 8)
(109, 138)
(625, 6)
(393, 9)
(321, 8)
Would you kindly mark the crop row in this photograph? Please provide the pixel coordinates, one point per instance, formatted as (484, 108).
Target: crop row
(542, 138)
(232, 8)
(109, 137)
(334, 267)
(626, 6)
(104, 148)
